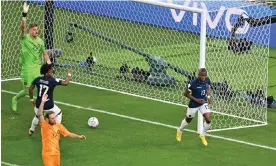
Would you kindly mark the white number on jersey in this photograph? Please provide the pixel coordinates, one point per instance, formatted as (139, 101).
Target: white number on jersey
(43, 87)
(203, 93)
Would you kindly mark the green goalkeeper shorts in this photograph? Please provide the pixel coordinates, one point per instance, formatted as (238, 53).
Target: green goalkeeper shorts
(27, 76)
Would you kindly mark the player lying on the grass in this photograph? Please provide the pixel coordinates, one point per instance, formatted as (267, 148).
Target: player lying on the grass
(45, 85)
(30, 59)
(50, 133)
(200, 88)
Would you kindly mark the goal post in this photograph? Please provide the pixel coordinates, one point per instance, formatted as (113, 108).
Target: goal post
(49, 26)
(152, 49)
(202, 12)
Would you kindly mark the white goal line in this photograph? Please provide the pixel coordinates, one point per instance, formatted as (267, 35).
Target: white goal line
(8, 164)
(156, 123)
(167, 102)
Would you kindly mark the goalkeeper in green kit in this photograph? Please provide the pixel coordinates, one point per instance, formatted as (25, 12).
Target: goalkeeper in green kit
(30, 60)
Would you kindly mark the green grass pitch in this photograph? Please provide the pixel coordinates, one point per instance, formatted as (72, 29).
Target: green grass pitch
(118, 140)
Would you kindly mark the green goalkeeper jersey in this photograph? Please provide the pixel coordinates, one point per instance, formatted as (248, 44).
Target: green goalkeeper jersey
(31, 52)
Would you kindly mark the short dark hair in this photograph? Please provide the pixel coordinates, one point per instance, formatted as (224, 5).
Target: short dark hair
(49, 113)
(45, 68)
(201, 70)
(33, 25)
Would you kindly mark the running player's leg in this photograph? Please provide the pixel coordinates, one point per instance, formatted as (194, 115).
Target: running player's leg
(27, 78)
(23, 92)
(189, 116)
(58, 113)
(206, 112)
(34, 122)
(59, 117)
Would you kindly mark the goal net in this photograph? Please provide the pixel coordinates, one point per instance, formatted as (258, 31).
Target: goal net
(152, 52)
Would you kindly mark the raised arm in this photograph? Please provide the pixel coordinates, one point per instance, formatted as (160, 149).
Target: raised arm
(23, 22)
(46, 57)
(23, 26)
(41, 107)
(68, 77)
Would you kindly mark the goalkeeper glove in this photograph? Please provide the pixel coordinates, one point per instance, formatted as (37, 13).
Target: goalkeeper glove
(25, 9)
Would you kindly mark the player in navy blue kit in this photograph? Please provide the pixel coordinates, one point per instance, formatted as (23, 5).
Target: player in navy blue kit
(198, 92)
(45, 85)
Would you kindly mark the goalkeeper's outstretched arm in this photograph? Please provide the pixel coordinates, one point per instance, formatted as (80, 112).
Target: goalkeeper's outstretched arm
(23, 26)
(46, 57)
(24, 19)
(24, 29)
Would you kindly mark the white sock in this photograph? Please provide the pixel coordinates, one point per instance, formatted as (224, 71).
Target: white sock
(34, 123)
(206, 127)
(183, 124)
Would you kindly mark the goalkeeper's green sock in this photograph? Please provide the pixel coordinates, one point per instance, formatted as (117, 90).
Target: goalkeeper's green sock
(21, 94)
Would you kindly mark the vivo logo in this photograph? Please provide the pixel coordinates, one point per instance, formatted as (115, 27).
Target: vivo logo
(219, 16)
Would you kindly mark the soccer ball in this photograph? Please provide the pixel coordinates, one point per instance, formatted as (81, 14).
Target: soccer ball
(93, 122)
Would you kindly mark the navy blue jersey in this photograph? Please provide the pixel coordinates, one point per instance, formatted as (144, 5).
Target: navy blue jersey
(46, 85)
(198, 90)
